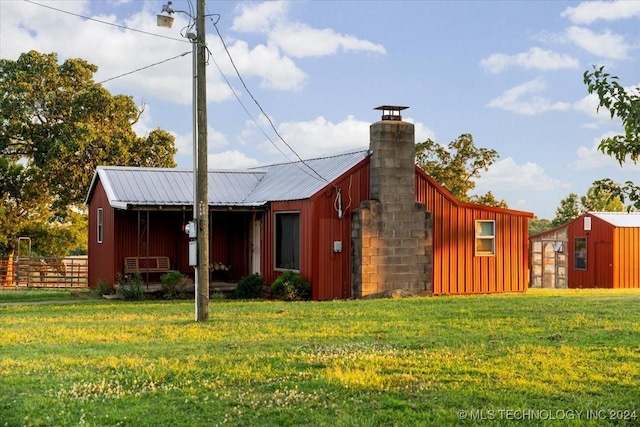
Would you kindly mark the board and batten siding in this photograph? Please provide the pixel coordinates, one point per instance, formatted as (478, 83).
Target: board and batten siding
(328, 272)
(101, 264)
(626, 254)
(456, 268)
(613, 255)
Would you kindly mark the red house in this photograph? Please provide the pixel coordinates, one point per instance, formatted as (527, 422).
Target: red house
(353, 224)
(595, 250)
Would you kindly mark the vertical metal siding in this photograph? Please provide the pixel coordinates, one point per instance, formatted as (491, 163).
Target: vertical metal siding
(626, 258)
(306, 245)
(601, 232)
(329, 273)
(101, 263)
(456, 269)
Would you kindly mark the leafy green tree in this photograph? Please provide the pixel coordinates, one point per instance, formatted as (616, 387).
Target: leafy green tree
(56, 126)
(538, 225)
(624, 104)
(599, 199)
(457, 166)
(488, 200)
(569, 209)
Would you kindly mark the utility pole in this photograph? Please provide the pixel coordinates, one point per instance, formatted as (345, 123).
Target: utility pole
(200, 163)
(202, 193)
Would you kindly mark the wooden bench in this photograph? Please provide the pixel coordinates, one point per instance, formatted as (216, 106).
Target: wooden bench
(143, 264)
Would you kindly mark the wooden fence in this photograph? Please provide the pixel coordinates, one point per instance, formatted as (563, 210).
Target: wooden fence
(43, 272)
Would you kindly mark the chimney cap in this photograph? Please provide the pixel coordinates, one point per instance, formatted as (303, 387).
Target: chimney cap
(391, 112)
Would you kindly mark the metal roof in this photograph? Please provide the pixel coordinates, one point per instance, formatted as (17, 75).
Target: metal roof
(128, 187)
(298, 180)
(619, 219)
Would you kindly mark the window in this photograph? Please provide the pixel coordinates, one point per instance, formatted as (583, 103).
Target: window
(485, 237)
(288, 241)
(580, 253)
(100, 224)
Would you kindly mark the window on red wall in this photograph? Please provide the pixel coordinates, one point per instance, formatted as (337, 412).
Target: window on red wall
(485, 237)
(580, 253)
(100, 221)
(287, 249)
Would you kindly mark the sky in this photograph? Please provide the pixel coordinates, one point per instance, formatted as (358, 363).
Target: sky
(510, 73)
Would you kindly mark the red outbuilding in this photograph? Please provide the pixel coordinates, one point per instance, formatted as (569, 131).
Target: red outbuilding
(353, 224)
(595, 250)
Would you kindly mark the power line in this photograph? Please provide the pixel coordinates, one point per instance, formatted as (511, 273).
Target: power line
(254, 120)
(260, 107)
(105, 22)
(143, 68)
(244, 106)
(185, 53)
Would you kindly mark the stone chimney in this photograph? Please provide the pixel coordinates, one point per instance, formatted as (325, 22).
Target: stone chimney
(391, 233)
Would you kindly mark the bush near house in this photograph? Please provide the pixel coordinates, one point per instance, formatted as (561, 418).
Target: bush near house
(131, 288)
(250, 287)
(290, 286)
(174, 284)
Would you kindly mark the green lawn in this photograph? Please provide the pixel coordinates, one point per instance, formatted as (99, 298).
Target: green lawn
(544, 357)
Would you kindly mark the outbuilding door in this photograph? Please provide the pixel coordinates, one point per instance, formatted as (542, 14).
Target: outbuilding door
(604, 265)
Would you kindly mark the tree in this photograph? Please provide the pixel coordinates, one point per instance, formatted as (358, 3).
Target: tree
(599, 199)
(569, 209)
(596, 199)
(625, 104)
(57, 125)
(537, 225)
(457, 166)
(488, 200)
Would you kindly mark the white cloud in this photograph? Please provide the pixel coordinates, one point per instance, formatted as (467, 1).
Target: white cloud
(506, 174)
(215, 140)
(605, 45)
(300, 40)
(321, 137)
(422, 133)
(259, 17)
(277, 71)
(591, 11)
(232, 159)
(295, 38)
(522, 99)
(593, 158)
(534, 58)
(589, 106)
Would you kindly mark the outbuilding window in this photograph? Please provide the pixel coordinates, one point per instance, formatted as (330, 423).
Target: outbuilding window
(485, 237)
(580, 253)
(287, 232)
(100, 222)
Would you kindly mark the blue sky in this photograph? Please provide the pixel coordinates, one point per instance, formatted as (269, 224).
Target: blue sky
(507, 72)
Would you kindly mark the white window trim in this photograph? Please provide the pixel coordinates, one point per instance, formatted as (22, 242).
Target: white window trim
(100, 224)
(492, 238)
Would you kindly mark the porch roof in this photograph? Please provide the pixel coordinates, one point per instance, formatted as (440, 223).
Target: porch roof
(128, 187)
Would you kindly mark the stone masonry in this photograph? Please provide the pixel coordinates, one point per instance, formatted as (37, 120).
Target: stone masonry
(391, 233)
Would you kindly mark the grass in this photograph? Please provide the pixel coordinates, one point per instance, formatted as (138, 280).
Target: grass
(10, 295)
(535, 358)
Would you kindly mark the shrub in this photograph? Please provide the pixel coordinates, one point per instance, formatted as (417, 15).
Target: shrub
(290, 286)
(103, 288)
(131, 287)
(174, 283)
(250, 286)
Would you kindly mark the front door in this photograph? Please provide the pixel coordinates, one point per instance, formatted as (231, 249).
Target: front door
(604, 265)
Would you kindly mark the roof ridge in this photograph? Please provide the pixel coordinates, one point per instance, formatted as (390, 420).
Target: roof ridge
(329, 156)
